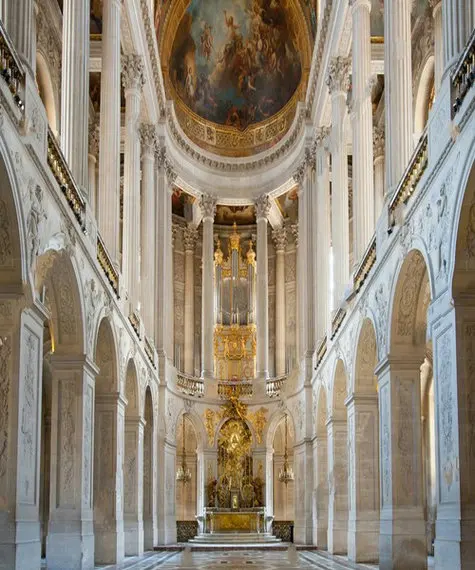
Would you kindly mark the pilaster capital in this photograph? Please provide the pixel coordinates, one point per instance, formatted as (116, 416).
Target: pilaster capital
(133, 76)
(356, 4)
(169, 171)
(299, 174)
(378, 141)
(190, 236)
(279, 235)
(174, 234)
(263, 206)
(208, 206)
(294, 230)
(338, 74)
(322, 137)
(435, 4)
(148, 139)
(94, 137)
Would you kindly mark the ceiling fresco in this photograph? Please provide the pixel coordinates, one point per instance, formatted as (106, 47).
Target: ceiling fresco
(235, 68)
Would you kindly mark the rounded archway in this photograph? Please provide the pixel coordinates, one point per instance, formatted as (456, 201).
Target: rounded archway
(47, 92)
(283, 500)
(186, 487)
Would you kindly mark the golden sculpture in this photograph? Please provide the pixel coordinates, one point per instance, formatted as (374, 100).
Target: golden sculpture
(210, 425)
(258, 420)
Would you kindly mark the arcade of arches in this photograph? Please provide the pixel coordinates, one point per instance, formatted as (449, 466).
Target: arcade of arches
(237, 283)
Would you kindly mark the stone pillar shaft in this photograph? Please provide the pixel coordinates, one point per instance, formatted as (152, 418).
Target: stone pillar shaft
(438, 43)
(75, 87)
(147, 253)
(379, 175)
(190, 237)
(262, 298)
(323, 237)
(457, 21)
(280, 240)
(208, 207)
(398, 93)
(362, 115)
(21, 26)
(321, 492)
(132, 79)
(109, 144)
(133, 486)
(337, 487)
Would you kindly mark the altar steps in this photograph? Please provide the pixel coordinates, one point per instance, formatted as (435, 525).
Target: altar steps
(233, 538)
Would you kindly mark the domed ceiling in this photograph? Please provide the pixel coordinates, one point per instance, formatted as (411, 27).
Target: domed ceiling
(236, 69)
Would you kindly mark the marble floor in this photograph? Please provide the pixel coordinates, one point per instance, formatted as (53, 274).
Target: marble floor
(238, 560)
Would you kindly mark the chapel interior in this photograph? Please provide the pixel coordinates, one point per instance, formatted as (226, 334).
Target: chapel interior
(237, 284)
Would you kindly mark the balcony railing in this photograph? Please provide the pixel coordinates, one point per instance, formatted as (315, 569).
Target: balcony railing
(190, 385)
(412, 175)
(322, 350)
(105, 262)
(367, 263)
(274, 386)
(338, 321)
(12, 70)
(64, 178)
(463, 76)
(150, 351)
(239, 389)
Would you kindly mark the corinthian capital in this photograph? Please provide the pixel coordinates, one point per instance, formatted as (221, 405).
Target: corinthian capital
(132, 71)
(208, 206)
(338, 74)
(148, 138)
(322, 136)
(94, 137)
(378, 141)
(279, 236)
(263, 206)
(190, 235)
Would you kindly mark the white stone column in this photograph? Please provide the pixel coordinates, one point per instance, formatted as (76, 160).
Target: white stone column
(21, 26)
(338, 83)
(362, 119)
(363, 478)
(280, 241)
(402, 515)
(322, 280)
(337, 486)
(93, 153)
(190, 236)
(303, 492)
(108, 214)
(436, 6)
(262, 300)
(133, 486)
(458, 22)
(399, 121)
(21, 368)
(70, 542)
(379, 177)
(164, 276)
(109, 417)
(166, 492)
(75, 88)
(208, 208)
(132, 80)
(320, 535)
(147, 224)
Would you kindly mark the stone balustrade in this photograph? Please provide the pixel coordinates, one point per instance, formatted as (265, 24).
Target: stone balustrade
(107, 266)
(274, 386)
(190, 385)
(11, 69)
(367, 263)
(463, 75)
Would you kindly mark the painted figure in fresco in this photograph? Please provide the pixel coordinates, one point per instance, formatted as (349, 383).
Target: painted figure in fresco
(189, 86)
(207, 41)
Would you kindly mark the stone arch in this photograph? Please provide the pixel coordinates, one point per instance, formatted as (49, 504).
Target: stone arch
(364, 378)
(274, 422)
(57, 281)
(47, 91)
(339, 390)
(105, 356)
(13, 258)
(186, 494)
(423, 98)
(283, 494)
(132, 389)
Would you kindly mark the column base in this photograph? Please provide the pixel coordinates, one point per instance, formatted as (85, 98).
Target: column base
(133, 538)
(167, 530)
(320, 536)
(338, 536)
(20, 546)
(109, 546)
(454, 545)
(402, 544)
(148, 534)
(70, 549)
(363, 540)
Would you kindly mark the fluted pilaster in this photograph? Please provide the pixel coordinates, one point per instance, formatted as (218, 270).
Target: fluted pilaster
(279, 236)
(263, 206)
(190, 236)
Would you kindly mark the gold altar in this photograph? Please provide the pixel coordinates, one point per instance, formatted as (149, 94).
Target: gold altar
(244, 521)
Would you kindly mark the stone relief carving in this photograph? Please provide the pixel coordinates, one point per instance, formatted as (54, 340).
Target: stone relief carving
(88, 446)
(28, 436)
(6, 251)
(263, 207)
(338, 74)
(446, 410)
(130, 473)
(133, 76)
(93, 297)
(410, 288)
(208, 206)
(382, 311)
(5, 354)
(67, 438)
(36, 217)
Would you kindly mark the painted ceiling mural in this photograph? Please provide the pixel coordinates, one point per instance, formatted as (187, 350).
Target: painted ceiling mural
(232, 65)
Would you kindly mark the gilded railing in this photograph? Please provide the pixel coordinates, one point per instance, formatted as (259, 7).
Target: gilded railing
(463, 76)
(105, 262)
(239, 389)
(64, 178)
(190, 385)
(274, 386)
(367, 263)
(150, 350)
(135, 322)
(338, 321)
(322, 349)
(412, 175)
(11, 69)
